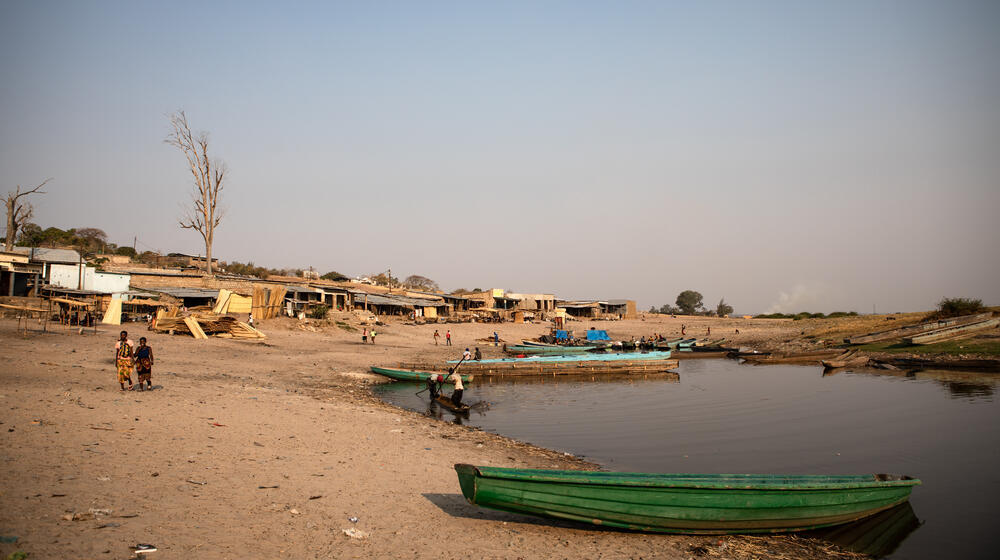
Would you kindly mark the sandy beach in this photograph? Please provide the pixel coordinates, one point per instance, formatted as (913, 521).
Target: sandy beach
(278, 449)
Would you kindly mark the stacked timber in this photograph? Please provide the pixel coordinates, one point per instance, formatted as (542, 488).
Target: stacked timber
(914, 330)
(267, 303)
(201, 325)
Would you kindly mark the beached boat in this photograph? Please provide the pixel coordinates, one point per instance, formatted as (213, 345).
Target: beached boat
(800, 358)
(851, 358)
(949, 333)
(530, 349)
(686, 503)
(411, 375)
(619, 357)
(687, 343)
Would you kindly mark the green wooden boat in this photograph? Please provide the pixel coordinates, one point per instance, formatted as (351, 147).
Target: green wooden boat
(524, 349)
(686, 503)
(416, 376)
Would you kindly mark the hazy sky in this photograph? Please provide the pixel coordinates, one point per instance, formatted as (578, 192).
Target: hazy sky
(784, 155)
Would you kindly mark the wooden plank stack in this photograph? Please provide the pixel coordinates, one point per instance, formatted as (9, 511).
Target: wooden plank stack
(201, 325)
(267, 302)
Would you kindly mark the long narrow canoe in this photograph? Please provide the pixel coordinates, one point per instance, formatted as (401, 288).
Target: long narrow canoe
(687, 343)
(527, 349)
(411, 375)
(620, 357)
(446, 402)
(913, 330)
(949, 333)
(686, 503)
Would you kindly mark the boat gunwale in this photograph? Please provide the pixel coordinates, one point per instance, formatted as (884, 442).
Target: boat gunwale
(686, 481)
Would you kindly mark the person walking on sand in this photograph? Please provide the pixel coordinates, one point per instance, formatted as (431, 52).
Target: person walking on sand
(364, 336)
(144, 364)
(447, 338)
(123, 360)
(373, 333)
(437, 336)
(709, 333)
(682, 330)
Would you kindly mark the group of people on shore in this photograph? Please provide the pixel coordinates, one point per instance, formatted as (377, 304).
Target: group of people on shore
(129, 359)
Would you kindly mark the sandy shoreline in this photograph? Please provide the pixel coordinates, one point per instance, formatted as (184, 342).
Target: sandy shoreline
(183, 467)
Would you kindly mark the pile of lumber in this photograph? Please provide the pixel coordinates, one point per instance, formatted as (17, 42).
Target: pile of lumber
(267, 302)
(201, 325)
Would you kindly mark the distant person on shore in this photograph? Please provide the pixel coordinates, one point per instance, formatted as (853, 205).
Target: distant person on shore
(709, 333)
(437, 336)
(364, 336)
(144, 364)
(682, 330)
(124, 351)
(496, 337)
(737, 331)
(447, 338)
(467, 355)
(456, 395)
(479, 355)
(250, 319)
(372, 335)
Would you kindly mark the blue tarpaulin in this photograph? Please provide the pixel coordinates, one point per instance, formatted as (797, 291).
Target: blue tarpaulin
(597, 335)
(562, 335)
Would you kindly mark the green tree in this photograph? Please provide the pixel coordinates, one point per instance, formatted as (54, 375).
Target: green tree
(723, 308)
(334, 276)
(689, 301)
(418, 282)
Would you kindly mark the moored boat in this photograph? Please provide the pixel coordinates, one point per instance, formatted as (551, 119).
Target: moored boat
(685, 503)
(412, 375)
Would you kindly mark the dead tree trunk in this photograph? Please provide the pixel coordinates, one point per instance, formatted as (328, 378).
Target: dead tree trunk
(209, 174)
(18, 213)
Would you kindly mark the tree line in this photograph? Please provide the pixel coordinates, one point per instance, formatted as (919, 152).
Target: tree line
(690, 302)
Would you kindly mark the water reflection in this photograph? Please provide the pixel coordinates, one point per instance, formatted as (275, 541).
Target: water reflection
(877, 536)
(970, 385)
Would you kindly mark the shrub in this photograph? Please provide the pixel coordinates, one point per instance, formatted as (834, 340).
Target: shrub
(952, 307)
(318, 312)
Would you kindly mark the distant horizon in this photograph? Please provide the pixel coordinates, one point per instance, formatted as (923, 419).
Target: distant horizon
(787, 156)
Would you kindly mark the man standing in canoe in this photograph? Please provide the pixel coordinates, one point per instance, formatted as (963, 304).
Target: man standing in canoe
(456, 395)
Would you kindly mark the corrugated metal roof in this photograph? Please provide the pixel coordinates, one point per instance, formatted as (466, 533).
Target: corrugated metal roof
(399, 301)
(44, 254)
(186, 292)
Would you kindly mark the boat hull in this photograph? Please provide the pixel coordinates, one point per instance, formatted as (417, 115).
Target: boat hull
(412, 375)
(693, 504)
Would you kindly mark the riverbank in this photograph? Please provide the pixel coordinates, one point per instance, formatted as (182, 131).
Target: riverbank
(274, 449)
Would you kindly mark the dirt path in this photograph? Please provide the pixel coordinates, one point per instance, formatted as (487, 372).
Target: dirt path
(249, 450)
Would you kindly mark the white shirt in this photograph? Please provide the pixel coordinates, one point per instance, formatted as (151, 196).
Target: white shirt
(458, 381)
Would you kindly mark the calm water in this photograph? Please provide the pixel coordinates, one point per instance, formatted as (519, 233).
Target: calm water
(722, 417)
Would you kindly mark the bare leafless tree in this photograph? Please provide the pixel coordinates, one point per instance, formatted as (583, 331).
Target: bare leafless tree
(18, 213)
(208, 174)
